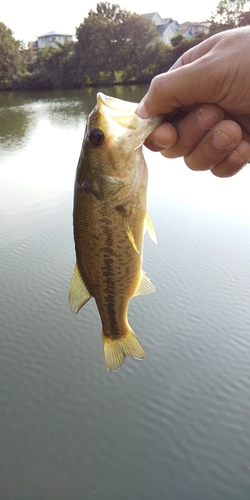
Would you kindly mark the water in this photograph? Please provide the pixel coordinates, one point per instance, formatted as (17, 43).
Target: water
(175, 426)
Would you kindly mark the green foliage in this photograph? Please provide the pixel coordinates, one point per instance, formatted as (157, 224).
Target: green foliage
(176, 40)
(52, 68)
(9, 57)
(113, 46)
(229, 13)
(244, 19)
(139, 48)
(98, 42)
(111, 12)
(186, 44)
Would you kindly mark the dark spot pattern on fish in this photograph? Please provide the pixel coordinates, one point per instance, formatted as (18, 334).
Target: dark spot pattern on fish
(113, 321)
(109, 213)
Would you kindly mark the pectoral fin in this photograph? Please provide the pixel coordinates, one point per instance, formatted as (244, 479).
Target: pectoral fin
(150, 227)
(127, 227)
(78, 292)
(145, 286)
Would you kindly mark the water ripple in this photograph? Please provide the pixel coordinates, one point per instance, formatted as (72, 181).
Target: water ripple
(175, 425)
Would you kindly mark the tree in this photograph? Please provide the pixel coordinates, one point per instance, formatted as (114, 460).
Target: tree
(229, 13)
(176, 40)
(112, 12)
(115, 44)
(9, 57)
(54, 67)
(139, 48)
(97, 42)
(244, 19)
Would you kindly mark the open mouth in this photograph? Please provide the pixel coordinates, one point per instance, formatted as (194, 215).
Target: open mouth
(115, 104)
(122, 112)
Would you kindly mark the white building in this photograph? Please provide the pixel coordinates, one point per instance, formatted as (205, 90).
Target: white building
(51, 38)
(165, 27)
(194, 28)
(168, 28)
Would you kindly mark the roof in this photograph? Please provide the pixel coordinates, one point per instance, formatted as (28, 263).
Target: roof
(150, 15)
(163, 27)
(51, 33)
(184, 31)
(189, 23)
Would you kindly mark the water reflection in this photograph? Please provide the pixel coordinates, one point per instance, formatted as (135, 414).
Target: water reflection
(15, 125)
(19, 111)
(175, 426)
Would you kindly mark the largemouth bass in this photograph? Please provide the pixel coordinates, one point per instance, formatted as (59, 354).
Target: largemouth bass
(109, 218)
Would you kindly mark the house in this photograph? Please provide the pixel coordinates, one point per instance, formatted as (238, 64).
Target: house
(51, 38)
(155, 17)
(165, 27)
(33, 47)
(168, 28)
(194, 28)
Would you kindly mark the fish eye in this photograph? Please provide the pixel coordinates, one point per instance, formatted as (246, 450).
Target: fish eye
(96, 137)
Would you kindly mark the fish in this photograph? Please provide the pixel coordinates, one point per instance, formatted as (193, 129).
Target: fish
(109, 220)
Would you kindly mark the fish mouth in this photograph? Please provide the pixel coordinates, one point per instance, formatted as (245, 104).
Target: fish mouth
(122, 112)
(114, 104)
(122, 120)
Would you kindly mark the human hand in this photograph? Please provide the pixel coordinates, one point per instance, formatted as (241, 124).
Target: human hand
(206, 95)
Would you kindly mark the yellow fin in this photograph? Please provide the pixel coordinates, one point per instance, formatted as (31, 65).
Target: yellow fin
(116, 350)
(78, 292)
(127, 227)
(150, 227)
(145, 286)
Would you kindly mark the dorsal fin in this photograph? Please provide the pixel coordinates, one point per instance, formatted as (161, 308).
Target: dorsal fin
(78, 292)
(145, 286)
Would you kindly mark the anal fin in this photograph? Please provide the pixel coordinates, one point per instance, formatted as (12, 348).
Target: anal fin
(145, 286)
(78, 292)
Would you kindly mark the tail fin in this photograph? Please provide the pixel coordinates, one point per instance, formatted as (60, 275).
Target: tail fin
(116, 350)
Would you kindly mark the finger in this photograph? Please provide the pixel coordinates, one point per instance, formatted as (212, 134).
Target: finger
(234, 162)
(192, 128)
(243, 121)
(217, 144)
(196, 52)
(161, 97)
(162, 138)
(183, 86)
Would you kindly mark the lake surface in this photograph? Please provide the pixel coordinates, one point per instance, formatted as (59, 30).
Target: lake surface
(175, 426)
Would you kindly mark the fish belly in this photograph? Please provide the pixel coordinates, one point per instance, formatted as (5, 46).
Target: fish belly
(111, 267)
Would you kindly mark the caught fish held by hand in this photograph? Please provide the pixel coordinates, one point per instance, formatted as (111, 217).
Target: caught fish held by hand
(109, 218)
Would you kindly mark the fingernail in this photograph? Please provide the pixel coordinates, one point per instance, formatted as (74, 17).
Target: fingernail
(234, 158)
(163, 146)
(141, 110)
(221, 140)
(207, 120)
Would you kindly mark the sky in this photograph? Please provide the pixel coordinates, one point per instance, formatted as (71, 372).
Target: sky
(29, 19)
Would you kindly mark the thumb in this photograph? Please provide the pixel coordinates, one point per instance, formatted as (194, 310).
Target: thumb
(172, 90)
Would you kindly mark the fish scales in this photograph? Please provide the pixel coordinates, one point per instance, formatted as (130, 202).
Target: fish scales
(111, 269)
(109, 217)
